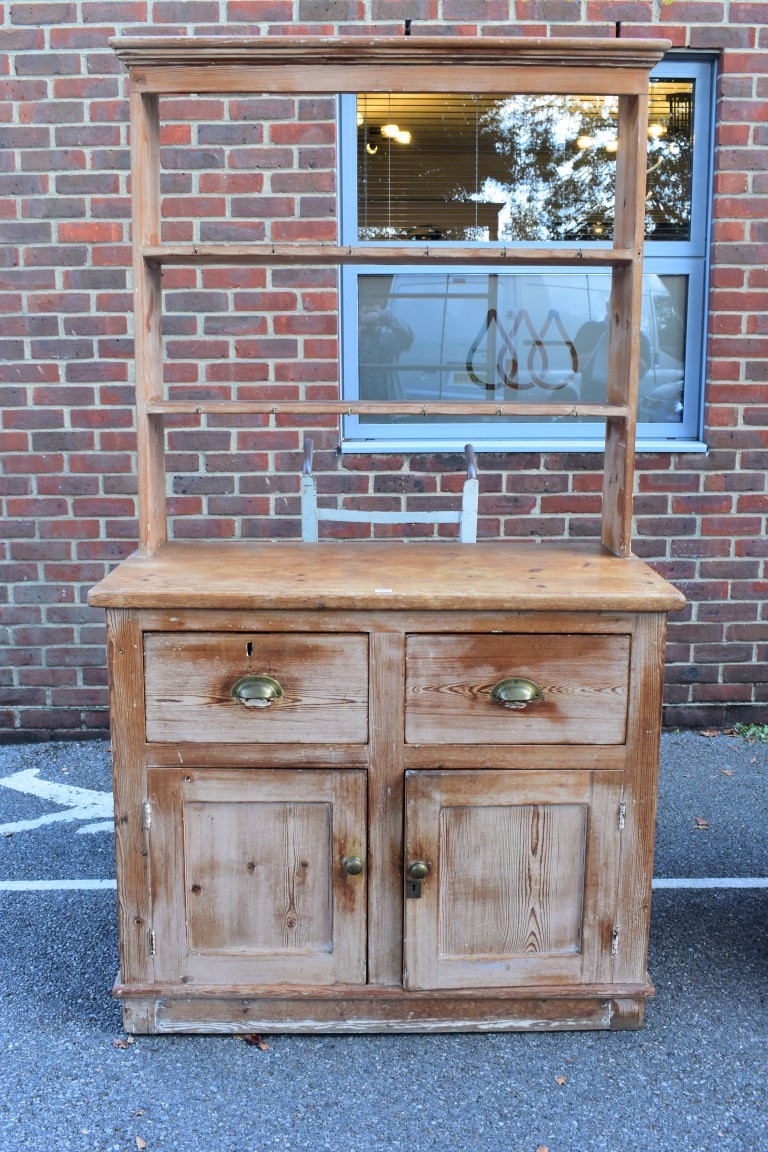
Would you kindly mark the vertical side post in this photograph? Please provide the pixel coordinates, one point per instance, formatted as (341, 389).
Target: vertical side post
(126, 716)
(625, 312)
(150, 432)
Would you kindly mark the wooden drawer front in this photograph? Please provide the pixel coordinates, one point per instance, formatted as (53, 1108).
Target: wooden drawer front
(583, 681)
(190, 677)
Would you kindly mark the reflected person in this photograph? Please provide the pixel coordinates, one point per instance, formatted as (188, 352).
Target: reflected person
(382, 338)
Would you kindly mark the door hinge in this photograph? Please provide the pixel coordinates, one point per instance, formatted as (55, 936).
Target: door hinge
(152, 942)
(615, 942)
(622, 815)
(147, 815)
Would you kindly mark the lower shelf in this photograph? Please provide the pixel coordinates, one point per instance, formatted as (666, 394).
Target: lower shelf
(385, 1010)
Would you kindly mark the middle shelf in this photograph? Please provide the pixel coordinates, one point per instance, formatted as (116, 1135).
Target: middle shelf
(411, 254)
(380, 407)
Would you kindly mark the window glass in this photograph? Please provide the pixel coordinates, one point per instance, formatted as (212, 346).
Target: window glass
(513, 168)
(535, 336)
(485, 170)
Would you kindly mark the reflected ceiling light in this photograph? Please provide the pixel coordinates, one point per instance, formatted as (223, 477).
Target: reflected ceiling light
(585, 141)
(371, 149)
(390, 130)
(611, 145)
(403, 137)
(657, 131)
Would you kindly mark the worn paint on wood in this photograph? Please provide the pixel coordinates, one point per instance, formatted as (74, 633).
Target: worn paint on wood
(583, 682)
(190, 678)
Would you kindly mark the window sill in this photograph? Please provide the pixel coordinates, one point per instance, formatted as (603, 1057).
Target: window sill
(376, 446)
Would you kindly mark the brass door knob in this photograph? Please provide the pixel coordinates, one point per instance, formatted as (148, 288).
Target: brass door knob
(353, 865)
(418, 870)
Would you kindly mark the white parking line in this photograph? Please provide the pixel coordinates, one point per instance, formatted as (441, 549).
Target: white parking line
(79, 804)
(56, 885)
(678, 882)
(711, 882)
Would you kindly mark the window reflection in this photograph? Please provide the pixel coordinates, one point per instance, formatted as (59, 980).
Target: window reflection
(531, 336)
(514, 168)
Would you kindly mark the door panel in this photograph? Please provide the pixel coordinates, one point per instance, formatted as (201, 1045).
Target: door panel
(262, 861)
(521, 888)
(533, 904)
(248, 879)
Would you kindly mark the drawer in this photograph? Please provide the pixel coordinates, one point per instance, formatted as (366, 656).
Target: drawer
(579, 686)
(296, 688)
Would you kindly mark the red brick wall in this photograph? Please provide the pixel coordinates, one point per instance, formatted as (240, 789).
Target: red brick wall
(66, 437)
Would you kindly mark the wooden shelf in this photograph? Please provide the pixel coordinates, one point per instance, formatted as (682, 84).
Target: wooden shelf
(605, 55)
(252, 574)
(231, 67)
(596, 66)
(379, 408)
(412, 254)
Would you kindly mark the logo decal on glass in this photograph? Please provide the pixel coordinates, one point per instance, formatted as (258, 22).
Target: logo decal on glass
(499, 348)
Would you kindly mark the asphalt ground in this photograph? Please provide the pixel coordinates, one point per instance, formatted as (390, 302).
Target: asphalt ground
(694, 1079)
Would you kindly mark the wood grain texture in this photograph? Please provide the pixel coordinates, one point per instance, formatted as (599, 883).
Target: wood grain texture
(520, 871)
(206, 754)
(383, 408)
(569, 55)
(433, 64)
(640, 796)
(307, 255)
(246, 78)
(584, 683)
(385, 810)
(379, 995)
(375, 622)
(126, 710)
(148, 350)
(258, 871)
(353, 1017)
(522, 881)
(390, 576)
(248, 876)
(625, 325)
(189, 681)
(522, 757)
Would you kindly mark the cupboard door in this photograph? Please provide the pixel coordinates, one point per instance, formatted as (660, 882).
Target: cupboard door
(521, 882)
(250, 879)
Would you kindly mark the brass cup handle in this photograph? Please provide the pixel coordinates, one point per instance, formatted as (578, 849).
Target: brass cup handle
(418, 870)
(516, 692)
(257, 691)
(353, 865)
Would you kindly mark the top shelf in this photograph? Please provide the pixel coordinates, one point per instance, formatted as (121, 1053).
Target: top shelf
(594, 66)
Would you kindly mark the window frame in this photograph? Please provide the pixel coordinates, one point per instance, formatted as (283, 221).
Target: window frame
(677, 257)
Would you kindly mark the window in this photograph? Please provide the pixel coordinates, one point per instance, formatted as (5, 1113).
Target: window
(524, 170)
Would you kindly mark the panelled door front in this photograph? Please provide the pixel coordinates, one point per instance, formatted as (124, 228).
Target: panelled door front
(258, 876)
(511, 878)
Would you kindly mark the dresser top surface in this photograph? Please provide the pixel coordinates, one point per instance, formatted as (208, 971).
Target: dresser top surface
(387, 575)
